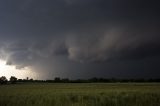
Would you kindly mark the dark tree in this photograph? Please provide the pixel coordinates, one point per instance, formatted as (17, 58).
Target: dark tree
(13, 79)
(57, 79)
(3, 80)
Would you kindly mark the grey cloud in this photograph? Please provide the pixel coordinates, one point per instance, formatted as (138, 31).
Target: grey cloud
(40, 33)
(114, 43)
(25, 53)
(88, 46)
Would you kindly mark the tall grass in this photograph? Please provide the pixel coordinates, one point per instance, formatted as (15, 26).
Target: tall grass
(92, 94)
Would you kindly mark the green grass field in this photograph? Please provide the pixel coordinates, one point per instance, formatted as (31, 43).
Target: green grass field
(82, 94)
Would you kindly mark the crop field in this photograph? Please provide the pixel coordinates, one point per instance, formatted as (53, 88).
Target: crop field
(80, 94)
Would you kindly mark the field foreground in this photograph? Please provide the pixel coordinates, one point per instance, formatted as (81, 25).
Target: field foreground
(80, 94)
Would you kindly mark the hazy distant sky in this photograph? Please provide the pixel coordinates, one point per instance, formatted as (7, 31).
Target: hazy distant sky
(82, 38)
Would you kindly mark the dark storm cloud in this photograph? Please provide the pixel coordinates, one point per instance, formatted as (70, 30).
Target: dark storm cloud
(115, 43)
(49, 33)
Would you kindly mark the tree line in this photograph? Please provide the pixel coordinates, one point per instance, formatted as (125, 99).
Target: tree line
(14, 80)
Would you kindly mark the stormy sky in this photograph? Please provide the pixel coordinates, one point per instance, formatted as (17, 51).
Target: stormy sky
(82, 38)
